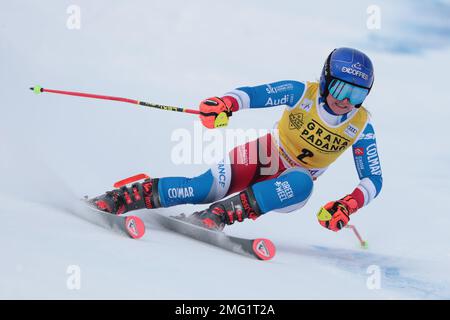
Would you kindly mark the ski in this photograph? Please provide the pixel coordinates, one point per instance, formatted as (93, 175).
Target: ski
(262, 249)
(131, 226)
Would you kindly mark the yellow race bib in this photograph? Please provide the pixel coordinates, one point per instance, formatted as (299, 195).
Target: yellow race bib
(308, 140)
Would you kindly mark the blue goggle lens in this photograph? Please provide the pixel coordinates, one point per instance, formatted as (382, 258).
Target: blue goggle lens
(341, 90)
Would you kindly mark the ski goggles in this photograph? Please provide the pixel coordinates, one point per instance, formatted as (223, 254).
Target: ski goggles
(341, 90)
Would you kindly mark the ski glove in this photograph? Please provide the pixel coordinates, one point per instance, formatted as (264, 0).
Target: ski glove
(215, 111)
(335, 215)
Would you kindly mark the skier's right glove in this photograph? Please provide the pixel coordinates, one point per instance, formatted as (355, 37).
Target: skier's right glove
(215, 111)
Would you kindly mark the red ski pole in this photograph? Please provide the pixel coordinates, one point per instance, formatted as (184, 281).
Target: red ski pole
(362, 242)
(38, 89)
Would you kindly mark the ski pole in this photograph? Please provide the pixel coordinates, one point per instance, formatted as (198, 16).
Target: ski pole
(363, 243)
(39, 89)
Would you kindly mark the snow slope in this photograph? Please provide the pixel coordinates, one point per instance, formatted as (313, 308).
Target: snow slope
(56, 149)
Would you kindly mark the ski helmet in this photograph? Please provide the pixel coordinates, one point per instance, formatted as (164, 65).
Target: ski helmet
(348, 65)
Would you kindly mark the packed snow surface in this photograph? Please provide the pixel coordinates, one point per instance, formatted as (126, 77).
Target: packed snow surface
(56, 149)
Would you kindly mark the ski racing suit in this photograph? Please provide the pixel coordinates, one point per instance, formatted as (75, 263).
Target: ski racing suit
(307, 139)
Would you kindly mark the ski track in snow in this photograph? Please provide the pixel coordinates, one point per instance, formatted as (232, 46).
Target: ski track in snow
(396, 272)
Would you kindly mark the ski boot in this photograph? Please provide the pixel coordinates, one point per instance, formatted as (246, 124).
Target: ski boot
(138, 195)
(227, 211)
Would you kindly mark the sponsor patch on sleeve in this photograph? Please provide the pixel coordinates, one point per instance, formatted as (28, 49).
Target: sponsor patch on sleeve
(359, 151)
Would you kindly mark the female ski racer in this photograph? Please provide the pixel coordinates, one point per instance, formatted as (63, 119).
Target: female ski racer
(276, 171)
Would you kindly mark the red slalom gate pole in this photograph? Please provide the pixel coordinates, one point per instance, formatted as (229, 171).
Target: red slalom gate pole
(39, 89)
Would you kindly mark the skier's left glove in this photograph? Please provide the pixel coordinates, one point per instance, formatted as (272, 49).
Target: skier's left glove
(335, 215)
(215, 111)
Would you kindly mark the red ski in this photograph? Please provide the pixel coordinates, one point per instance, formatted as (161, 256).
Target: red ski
(262, 249)
(131, 226)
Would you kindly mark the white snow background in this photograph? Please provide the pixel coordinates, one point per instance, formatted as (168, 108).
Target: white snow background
(55, 149)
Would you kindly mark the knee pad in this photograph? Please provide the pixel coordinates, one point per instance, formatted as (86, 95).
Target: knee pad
(288, 192)
(221, 179)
